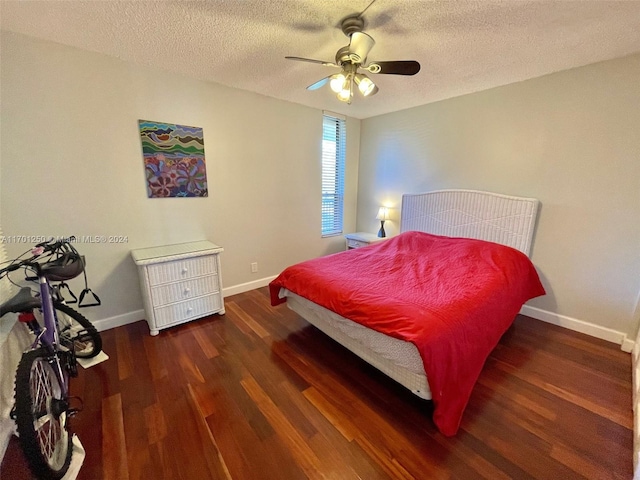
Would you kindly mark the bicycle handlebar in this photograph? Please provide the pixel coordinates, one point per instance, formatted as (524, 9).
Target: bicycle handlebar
(10, 268)
(59, 258)
(22, 263)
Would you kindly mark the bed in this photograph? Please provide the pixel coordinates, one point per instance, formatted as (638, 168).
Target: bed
(463, 274)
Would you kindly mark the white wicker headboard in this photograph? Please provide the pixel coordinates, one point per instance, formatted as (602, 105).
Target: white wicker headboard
(472, 214)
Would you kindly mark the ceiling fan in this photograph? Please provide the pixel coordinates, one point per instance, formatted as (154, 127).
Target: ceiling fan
(351, 58)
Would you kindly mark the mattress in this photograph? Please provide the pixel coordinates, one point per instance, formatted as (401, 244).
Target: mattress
(394, 357)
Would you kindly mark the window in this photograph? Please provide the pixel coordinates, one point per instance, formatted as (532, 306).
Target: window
(333, 159)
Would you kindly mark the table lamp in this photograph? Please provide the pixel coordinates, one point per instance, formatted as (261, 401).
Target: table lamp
(383, 214)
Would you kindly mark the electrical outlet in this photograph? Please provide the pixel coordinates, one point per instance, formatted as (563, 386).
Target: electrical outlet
(254, 267)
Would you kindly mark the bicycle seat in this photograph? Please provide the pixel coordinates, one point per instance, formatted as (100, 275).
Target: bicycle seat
(23, 301)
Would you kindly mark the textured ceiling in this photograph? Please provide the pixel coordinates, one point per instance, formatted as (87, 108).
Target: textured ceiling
(463, 46)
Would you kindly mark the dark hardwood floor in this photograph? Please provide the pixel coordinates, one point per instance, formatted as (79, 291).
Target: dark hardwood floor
(260, 394)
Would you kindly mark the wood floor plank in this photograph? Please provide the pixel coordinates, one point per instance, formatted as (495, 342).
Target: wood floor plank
(248, 320)
(342, 424)
(250, 453)
(348, 451)
(515, 443)
(124, 357)
(114, 445)
(582, 464)
(168, 464)
(271, 381)
(155, 423)
(155, 351)
(211, 452)
(389, 464)
(582, 399)
(304, 455)
(205, 342)
(138, 455)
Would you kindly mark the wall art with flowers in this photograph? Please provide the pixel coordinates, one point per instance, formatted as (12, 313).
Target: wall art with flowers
(174, 161)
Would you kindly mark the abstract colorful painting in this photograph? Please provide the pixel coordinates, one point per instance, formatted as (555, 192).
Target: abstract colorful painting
(173, 160)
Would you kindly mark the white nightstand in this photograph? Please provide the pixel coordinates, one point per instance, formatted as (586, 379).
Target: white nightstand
(361, 239)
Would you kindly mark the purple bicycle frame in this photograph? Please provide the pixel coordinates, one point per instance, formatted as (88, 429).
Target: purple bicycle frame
(49, 336)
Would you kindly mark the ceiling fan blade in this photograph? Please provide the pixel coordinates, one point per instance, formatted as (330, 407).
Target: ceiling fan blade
(320, 83)
(398, 67)
(360, 46)
(310, 60)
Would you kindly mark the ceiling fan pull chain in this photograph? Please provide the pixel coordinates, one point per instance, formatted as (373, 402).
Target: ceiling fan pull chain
(362, 12)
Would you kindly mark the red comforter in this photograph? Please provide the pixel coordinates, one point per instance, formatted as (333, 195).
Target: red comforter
(451, 297)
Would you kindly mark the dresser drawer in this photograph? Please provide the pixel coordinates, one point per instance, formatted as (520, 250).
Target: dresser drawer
(355, 243)
(177, 270)
(176, 292)
(188, 310)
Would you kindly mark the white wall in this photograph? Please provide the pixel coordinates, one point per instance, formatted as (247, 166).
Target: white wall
(571, 139)
(71, 163)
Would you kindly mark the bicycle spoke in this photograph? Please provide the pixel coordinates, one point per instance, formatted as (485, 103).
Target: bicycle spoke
(77, 332)
(49, 427)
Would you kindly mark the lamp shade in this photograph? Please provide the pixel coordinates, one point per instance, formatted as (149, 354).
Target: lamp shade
(337, 82)
(383, 214)
(365, 85)
(360, 46)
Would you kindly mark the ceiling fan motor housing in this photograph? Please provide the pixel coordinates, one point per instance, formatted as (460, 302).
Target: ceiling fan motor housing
(352, 24)
(343, 56)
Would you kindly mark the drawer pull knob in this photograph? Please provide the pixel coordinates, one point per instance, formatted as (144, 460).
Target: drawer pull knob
(187, 291)
(184, 270)
(189, 310)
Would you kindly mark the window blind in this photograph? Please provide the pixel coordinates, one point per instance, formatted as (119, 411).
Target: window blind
(333, 160)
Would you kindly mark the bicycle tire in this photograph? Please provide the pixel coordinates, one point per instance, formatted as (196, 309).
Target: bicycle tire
(44, 435)
(74, 327)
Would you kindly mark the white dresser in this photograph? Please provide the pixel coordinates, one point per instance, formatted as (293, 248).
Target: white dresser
(179, 282)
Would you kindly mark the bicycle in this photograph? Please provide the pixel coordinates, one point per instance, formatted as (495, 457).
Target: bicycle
(42, 401)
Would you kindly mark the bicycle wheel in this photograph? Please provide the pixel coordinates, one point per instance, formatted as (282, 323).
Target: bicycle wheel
(41, 416)
(74, 328)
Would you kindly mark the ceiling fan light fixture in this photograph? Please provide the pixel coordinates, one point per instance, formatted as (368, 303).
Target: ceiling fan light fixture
(337, 82)
(365, 84)
(346, 93)
(360, 46)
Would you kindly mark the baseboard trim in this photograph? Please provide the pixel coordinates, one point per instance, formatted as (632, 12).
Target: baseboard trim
(627, 345)
(245, 287)
(118, 320)
(131, 317)
(581, 326)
